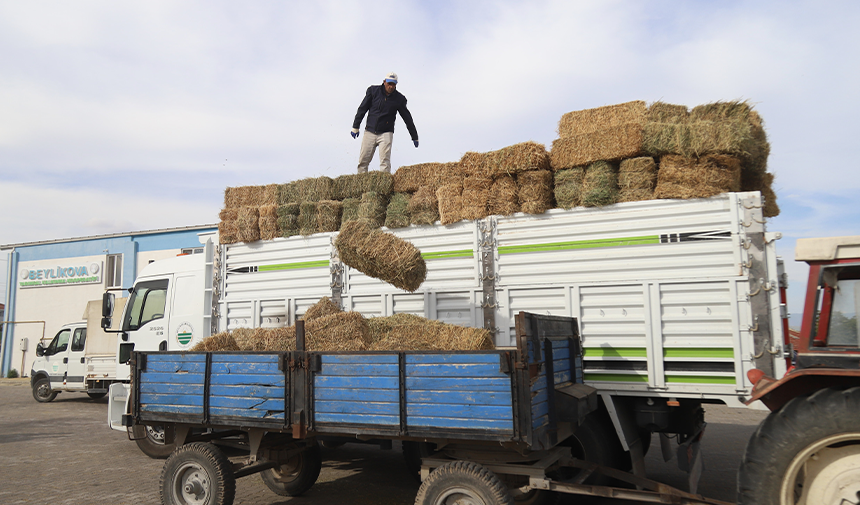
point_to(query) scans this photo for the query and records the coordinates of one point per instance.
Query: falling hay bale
(355, 185)
(535, 191)
(636, 179)
(372, 208)
(423, 206)
(763, 183)
(324, 307)
(219, 342)
(660, 112)
(611, 144)
(683, 177)
(407, 332)
(248, 224)
(584, 122)
(308, 218)
(600, 185)
(349, 211)
(269, 222)
(329, 215)
(450, 198)
(568, 187)
(397, 214)
(408, 179)
(288, 219)
(503, 199)
(476, 195)
(381, 255)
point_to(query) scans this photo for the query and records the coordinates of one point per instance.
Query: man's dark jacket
(383, 111)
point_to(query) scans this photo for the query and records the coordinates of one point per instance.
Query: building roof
(110, 235)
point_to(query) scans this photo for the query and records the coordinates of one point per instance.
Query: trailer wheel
(806, 453)
(42, 391)
(297, 475)
(595, 441)
(96, 396)
(197, 474)
(150, 440)
(463, 483)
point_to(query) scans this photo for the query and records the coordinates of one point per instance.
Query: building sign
(61, 275)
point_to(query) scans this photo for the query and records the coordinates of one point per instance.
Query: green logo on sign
(184, 334)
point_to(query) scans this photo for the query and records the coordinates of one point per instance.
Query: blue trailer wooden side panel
(173, 384)
(563, 373)
(246, 386)
(357, 389)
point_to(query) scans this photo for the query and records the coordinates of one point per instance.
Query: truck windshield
(145, 304)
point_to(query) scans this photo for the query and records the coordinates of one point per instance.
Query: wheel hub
(191, 485)
(459, 496)
(826, 472)
(156, 434)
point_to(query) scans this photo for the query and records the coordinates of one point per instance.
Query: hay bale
(269, 222)
(381, 255)
(600, 185)
(266, 339)
(683, 177)
(408, 179)
(610, 144)
(288, 219)
(763, 183)
(286, 194)
(355, 185)
(248, 224)
(228, 214)
(341, 331)
(509, 160)
(636, 179)
(661, 112)
(588, 121)
(397, 213)
(423, 206)
(218, 342)
(329, 215)
(324, 307)
(503, 199)
(699, 138)
(535, 191)
(407, 332)
(242, 196)
(269, 194)
(308, 222)
(450, 198)
(349, 211)
(372, 208)
(568, 187)
(228, 232)
(476, 196)
(311, 189)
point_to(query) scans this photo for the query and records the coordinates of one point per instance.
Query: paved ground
(63, 453)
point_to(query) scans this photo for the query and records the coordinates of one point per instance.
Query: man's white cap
(391, 77)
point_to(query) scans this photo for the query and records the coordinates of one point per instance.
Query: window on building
(113, 271)
(193, 250)
(79, 339)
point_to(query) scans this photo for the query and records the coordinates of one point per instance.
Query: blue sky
(121, 116)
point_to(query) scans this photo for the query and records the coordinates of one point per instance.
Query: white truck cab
(69, 364)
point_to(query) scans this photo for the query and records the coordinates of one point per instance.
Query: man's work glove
(415, 142)
(354, 133)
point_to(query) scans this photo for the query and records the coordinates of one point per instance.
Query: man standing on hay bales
(383, 102)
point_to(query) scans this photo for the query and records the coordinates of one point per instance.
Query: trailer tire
(96, 396)
(197, 473)
(296, 476)
(42, 391)
(595, 441)
(463, 482)
(150, 441)
(807, 452)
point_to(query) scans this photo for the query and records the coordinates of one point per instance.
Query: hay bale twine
(600, 184)
(349, 211)
(324, 307)
(372, 208)
(610, 144)
(568, 187)
(763, 183)
(405, 332)
(397, 213)
(381, 255)
(329, 215)
(684, 177)
(636, 179)
(583, 122)
(308, 218)
(248, 224)
(423, 206)
(450, 198)
(503, 199)
(535, 191)
(269, 222)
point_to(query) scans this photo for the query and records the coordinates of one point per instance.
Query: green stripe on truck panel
(464, 253)
(293, 266)
(700, 379)
(580, 244)
(698, 352)
(614, 377)
(614, 352)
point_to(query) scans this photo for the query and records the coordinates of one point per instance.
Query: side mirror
(107, 306)
(40, 351)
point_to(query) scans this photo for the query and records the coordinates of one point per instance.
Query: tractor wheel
(463, 482)
(806, 453)
(197, 474)
(296, 475)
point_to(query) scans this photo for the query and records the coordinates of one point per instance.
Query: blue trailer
(485, 426)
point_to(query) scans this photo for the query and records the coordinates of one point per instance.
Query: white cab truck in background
(80, 358)
(676, 302)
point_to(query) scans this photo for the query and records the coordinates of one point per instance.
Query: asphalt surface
(63, 452)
